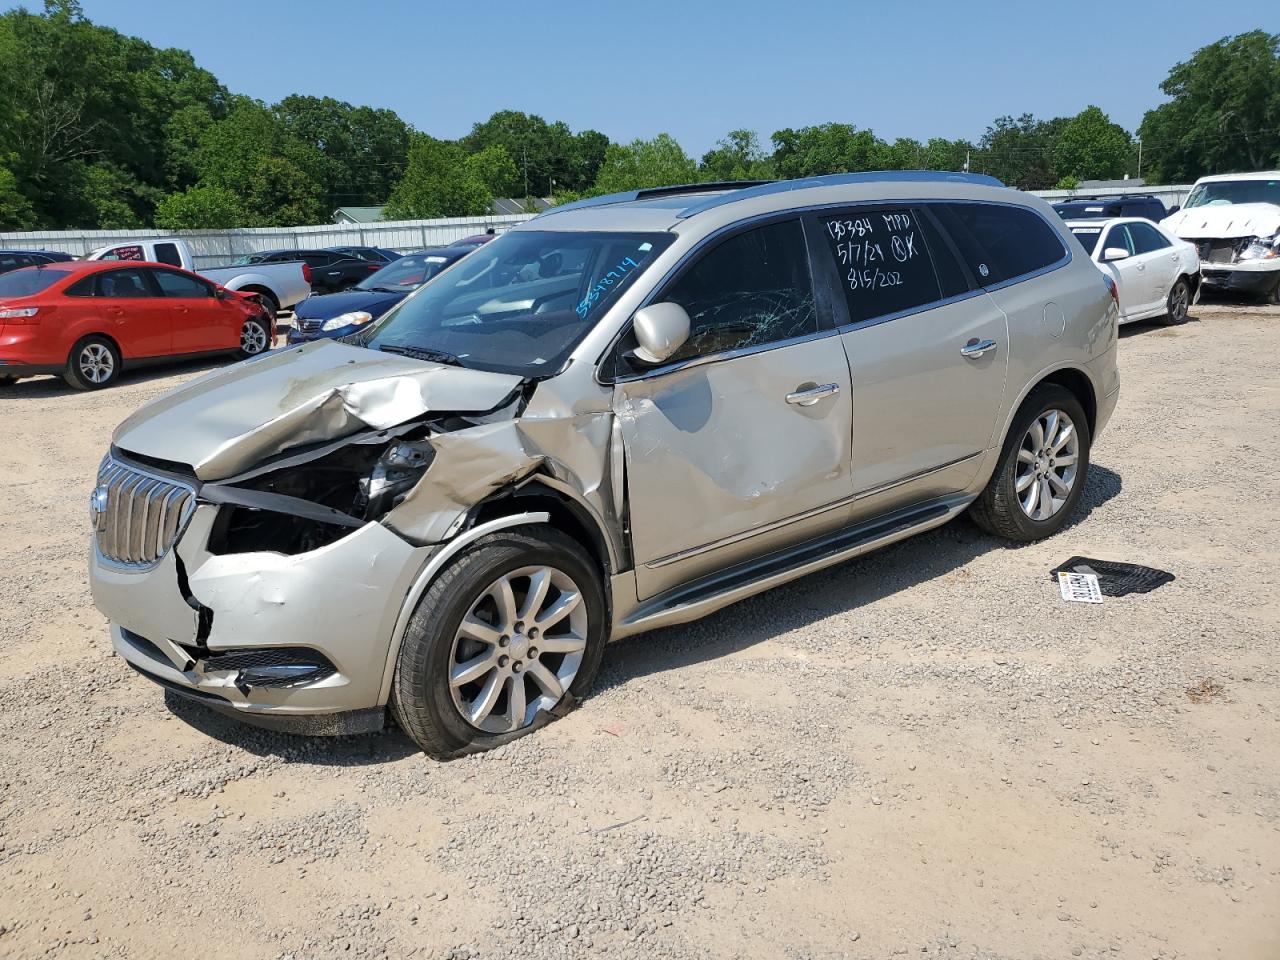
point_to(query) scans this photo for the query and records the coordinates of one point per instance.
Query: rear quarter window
(1001, 242)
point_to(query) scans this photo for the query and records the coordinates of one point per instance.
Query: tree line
(103, 130)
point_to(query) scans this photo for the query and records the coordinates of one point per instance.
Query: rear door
(200, 321)
(136, 315)
(927, 353)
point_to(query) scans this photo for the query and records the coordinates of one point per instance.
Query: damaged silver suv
(626, 413)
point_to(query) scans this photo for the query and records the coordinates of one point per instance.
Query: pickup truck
(276, 284)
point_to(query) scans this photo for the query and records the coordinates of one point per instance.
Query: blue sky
(697, 69)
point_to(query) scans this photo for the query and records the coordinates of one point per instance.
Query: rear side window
(180, 285)
(168, 253)
(883, 261)
(127, 284)
(752, 289)
(1000, 242)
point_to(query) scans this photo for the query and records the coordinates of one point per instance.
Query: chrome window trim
(839, 329)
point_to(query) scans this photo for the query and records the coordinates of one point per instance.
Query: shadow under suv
(626, 413)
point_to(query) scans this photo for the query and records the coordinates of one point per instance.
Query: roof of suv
(663, 208)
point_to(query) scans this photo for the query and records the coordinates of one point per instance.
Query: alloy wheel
(518, 648)
(1046, 468)
(96, 363)
(1179, 301)
(253, 338)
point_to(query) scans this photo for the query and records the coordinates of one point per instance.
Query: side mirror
(1114, 253)
(661, 329)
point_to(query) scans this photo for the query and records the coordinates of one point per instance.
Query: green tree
(737, 156)
(827, 148)
(943, 154)
(1019, 151)
(280, 193)
(549, 156)
(494, 167)
(658, 162)
(438, 182)
(1091, 147)
(201, 208)
(1224, 114)
(16, 212)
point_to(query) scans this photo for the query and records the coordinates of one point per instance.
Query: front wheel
(254, 338)
(93, 363)
(1042, 470)
(1177, 304)
(508, 637)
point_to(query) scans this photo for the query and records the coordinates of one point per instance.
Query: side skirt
(696, 599)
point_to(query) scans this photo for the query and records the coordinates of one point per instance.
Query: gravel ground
(921, 753)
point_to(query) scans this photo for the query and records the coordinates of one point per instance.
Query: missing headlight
(360, 482)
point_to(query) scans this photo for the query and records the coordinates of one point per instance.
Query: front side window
(180, 285)
(1118, 238)
(752, 289)
(519, 304)
(1000, 241)
(883, 259)
(1146, 238)
(126, 284)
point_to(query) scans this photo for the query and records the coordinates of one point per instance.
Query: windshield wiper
(421, 353)
(380, 289)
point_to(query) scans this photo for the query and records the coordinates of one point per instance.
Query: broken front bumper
(238, 631)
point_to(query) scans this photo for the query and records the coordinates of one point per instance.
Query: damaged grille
(1221, 251)
(138, 515)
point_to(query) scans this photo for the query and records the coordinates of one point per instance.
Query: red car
(89, 320)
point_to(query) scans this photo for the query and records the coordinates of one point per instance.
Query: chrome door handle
(811, 395)
(976, 348)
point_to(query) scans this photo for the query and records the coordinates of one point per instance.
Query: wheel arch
(93, 332)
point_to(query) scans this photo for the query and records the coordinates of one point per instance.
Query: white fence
(212, 247)
(1171, 196)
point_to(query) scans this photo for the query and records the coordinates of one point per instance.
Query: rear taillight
(306, 272)
(1113, 290)
(373, 267)
(19, 316)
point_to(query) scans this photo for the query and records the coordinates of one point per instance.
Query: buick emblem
(98, 502)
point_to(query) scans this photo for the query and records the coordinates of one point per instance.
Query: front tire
(1044, 463)
(93, 363)
(254, 338)
(1177, 304)
(506, 638)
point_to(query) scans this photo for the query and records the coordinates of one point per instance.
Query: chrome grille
(310, 326)
(142, 514)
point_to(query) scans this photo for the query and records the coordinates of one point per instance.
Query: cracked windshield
(519, 304)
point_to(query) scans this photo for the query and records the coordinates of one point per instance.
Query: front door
(740, 444)
(200, 320)
(1133, 280)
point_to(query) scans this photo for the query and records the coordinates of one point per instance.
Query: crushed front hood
(1225, 222)
(228, 421)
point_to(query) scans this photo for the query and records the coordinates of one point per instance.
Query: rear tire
(445, 666)
(1043, 466)
(7, 381)
(1177, 303)
(93, 363)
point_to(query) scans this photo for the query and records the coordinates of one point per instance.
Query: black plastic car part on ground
(1116, 579)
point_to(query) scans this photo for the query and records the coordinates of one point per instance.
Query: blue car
(332, 315)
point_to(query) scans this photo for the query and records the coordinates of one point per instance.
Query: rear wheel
(93, 363)
(508, 636)
(6, 381)
(1042, 470)
(254, 337)
(1177, 304)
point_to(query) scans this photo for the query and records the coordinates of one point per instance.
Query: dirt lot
(923, 753)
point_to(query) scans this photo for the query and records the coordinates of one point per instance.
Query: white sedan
(1156, 274)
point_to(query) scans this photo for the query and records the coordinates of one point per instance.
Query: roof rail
(626, 196)
(842, 179)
